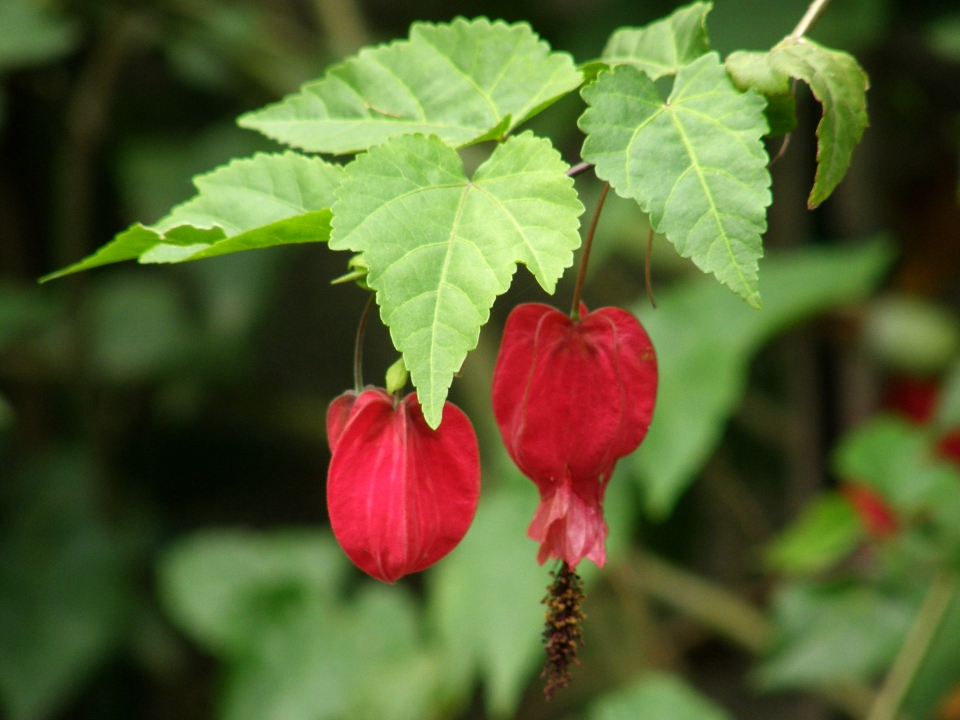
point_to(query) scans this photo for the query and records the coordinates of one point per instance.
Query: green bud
(357, 274)
(397, 375)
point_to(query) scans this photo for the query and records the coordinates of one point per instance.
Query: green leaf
(252, 203)
(485, 601)
(836, 633)
(32, 34)
(898, 459)
(484, 598)
(440, 247)
(940, 670)
(662, 47)
(827, 531)
(270, 607)
(695, 163)
(837, 81)
(213, 583)
(705, 338)
(656, 697)
(67, 586)
(464, 81)
(752, 71)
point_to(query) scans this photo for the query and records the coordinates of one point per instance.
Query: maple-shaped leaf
(837, 81)
(694, 162)
(440, 247)
(662, 47)
(464, 81)
(252, 203)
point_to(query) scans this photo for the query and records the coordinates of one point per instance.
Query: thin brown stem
(781, 151)
(646, 269)
(809, 18)
(585, 257)
(358, 346)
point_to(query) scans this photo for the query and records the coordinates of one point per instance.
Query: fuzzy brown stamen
(562, 633)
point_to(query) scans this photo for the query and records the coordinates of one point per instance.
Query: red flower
(572, 397)
(400, 495)
(875, 513)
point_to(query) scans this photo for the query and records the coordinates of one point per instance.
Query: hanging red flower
(572, 397)
(400, 495)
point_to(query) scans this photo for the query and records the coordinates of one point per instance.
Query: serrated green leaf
(826, 531)
(705, 338)
(827, 634)
(695, 163)
(464, 81)
(249, 204)
(656, 697)
(837, 81)
(440, 247)
(662, 47)
(840, 84)
(753, 71)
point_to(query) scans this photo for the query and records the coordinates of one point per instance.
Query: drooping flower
(571, 397)
(400, 495)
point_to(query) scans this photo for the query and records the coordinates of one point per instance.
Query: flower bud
(571, 397)
(400, 495)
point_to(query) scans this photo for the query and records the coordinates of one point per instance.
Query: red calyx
(400, 495)
(572, 397)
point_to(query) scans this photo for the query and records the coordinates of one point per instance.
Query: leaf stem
(585, 257)
(578, 169)
(646, 268)
(358, 346)
(914, 650)
(809, 18)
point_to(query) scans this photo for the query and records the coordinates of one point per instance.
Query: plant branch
(728, 615)
(914, 650)
(358, 345)
(578, 169)
(585, 257)
(809, 18)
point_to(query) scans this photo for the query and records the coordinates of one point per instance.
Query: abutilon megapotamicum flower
(571, 397)
(400, 495)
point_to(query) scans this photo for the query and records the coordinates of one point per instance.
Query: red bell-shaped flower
(571, 397)
(400, 495)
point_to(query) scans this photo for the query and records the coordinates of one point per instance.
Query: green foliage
(485, 601)
(656, 697)
(32, 34)
(898, 460)
(67, 586)
(832, 633)
(662, 47)
(465, 81)
(940, 669)
(827, 531)
(484, 598)
(253, 203)
(694, 162)
(705, 337)
(837, 81)
(272, 608)
(440, 247)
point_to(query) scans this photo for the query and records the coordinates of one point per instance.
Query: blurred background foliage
(784, 544)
